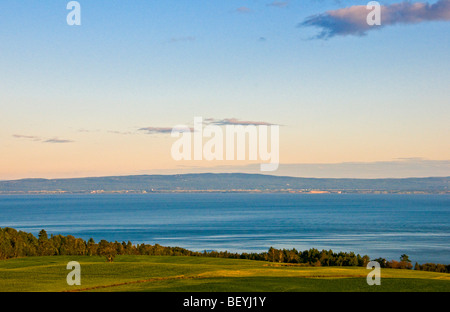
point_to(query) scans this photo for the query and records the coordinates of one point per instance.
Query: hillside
(221, 182)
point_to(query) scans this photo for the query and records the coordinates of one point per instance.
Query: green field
(170, 274)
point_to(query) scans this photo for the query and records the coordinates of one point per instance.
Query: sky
(76, 100)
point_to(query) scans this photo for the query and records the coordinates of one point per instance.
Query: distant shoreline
(224, 183)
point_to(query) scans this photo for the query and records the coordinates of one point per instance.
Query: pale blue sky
(134, 64)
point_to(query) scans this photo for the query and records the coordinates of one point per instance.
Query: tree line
(16, 244)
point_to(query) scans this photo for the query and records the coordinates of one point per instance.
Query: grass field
(170, 274)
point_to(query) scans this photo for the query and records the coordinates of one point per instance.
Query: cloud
(206, 121)
(87, 130)
(29, 137)
(353, 20)
(182, 39)
(279, 4)
(243, 10)
(235, 121)
(405, 168)
(55, 140)
(158, 130)
(120, 132)
(36, 138)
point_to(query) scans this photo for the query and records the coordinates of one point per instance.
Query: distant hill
(226, 182)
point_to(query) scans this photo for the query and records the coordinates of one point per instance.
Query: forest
(18, 244)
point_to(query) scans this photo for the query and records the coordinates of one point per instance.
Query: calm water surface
(377, 225)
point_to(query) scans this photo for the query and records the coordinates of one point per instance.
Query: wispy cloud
(88, 131)
(279, 4)
(39, 139)
(57, 141)
(206, 121)
(235, 121)
(29, 137)
(401, 168)
(182, 39)
(353, 20)
(243, 9)
(158, 130)
(120, 132)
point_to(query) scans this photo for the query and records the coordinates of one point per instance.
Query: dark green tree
(42, 236)
(404, 258)
(107, 250)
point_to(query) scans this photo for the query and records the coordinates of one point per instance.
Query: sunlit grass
(154, 273)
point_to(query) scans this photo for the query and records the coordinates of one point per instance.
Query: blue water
(377, 225)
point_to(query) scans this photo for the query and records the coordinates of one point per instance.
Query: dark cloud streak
(57, 141)
(235, 122)
(38, 139)
(163, 130)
